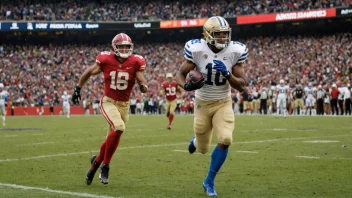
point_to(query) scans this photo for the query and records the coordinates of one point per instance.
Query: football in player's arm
(220, 60)
(121, 69)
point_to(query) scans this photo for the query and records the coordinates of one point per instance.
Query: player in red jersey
(121, 68)
(170, 88)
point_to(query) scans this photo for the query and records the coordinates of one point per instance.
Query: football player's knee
(120, 126)
(203, 148)
(225, 139)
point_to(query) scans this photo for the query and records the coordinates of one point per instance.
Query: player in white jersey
(282, 93)
(220, 61)
(3, 99)
(66, 104)
(310, 100)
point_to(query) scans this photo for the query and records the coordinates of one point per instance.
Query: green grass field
(269, 158)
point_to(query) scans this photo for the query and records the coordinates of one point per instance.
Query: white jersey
(309, 91)
(66, 100)
(3, 95)
(282, 91)
(342, 92)
(216, 86)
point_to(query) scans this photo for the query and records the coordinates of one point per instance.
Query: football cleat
(169, 126)
(209, 189)
(104, 174)
(191, 147)
(91, 173)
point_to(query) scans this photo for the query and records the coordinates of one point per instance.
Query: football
(194, 75)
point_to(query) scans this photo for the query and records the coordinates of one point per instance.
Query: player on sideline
(169, 88)
(3, 99)
(120, 68)
(282, 93)
(66, 104)
(220, 60)
(309, 91)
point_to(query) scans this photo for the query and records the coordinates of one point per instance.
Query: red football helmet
(122, 40)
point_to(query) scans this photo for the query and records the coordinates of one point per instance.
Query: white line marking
(308, 157)
(38, 143)
(298, 138)
(246, 151)
(321, 141)
(5, 136)
(85, 152)
(279, 129)
(161, 145)
(54, 191)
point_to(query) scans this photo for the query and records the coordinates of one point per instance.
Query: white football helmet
(282, 81)
(213, 25)
(1, 85)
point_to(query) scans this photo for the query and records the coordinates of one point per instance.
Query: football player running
(169, 88)
(220, 61)
(282, 93)
(120, 68)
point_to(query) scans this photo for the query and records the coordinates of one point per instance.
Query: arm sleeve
(244, 54)
(141, 62)
(187, 51)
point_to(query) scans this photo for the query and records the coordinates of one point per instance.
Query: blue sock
(218, 157)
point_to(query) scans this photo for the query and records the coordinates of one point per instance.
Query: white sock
(3, 118)
(285, 112)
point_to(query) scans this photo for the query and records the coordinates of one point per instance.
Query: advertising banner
(344, 11)
(183, 23)
(287, 16)
(47, 26)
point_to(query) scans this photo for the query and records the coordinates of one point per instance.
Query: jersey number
(171, 91)
(122, 80)
(209, 81)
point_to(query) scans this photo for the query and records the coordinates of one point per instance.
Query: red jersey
(119, 78)
(170, 90)
(335, 93)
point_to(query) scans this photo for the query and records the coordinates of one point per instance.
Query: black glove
(190, 86)
(76, 97)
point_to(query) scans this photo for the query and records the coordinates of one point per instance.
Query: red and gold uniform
(119, 79)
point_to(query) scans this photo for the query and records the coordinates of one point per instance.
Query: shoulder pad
(190, 47)
(102, 57)
(241, 49)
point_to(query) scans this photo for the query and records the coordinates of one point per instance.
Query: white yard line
(36, 143)
(308, 157)
(6, 136)
(85, 152)
(165, 145)
(75, 194)
(298, 138)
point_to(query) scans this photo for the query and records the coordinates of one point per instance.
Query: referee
(320, 102)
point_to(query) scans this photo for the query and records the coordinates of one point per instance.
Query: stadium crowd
(124, 10)
(38, 75)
